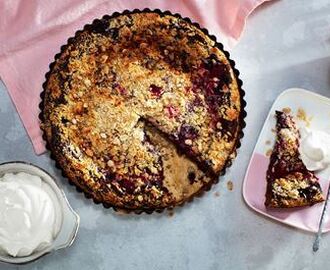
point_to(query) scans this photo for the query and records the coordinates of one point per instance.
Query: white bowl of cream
(35, 216)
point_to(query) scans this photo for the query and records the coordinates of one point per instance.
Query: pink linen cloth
(32, 31)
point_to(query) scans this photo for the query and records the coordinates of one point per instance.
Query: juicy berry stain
(128, 185)
(212, 78)
(191, 177)
(171, 111)
(156, 90)
(120, 88)
(187, 132)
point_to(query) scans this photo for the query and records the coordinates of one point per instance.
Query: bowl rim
(59, 192)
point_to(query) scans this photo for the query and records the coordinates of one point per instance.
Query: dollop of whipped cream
(315, 149)
(30, 214)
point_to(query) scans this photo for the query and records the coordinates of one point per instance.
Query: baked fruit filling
(289, 182)
(142, 110)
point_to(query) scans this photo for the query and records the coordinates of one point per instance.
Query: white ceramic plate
(317, 111)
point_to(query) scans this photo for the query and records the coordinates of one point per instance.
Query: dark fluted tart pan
(208, 172)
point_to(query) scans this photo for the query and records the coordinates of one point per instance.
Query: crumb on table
(230, 185)
(120, 212)
(217, 194)
(267, 142)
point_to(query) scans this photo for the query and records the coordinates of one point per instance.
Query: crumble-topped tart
(142, 110)
(289, 182)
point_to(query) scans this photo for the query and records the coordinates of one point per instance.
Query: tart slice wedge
(289, 182)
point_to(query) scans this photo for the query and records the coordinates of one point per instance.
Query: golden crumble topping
(142, 110)
(289, 186)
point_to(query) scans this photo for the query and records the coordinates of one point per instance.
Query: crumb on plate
(302, 116)
(269, 152)
(286, 110)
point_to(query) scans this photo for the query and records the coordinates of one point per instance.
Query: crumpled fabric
(32, 32)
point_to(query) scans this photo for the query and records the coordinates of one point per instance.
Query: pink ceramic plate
(315, 110)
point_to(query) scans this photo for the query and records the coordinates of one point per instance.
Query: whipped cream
(315, 149)
(30, 214)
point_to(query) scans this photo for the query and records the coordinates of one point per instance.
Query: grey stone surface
(285, 44)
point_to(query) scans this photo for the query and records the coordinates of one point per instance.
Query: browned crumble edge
(206, 186)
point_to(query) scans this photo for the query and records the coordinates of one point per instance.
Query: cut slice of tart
(289, 182)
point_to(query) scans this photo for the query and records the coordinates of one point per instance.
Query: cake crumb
(286, 110)
(273, 130)
(103, 135)
(188, 142)
(217, 194)
(110, 163)
(269, 152)
(89, 152)
(301, 115)
(230, 185)
(267, 142)
(170, 213)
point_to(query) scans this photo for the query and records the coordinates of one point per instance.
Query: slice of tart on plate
(289, 182)
(292, 101)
